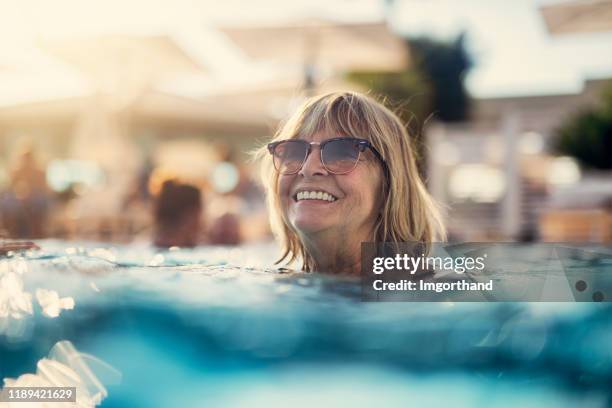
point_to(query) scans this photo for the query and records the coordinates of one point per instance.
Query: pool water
(222, 327)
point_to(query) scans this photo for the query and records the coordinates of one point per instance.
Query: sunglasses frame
(362, 144)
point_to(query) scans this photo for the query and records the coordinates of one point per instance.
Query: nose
(313, 165)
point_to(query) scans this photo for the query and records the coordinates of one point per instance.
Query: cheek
(370, 190)
(284, 188)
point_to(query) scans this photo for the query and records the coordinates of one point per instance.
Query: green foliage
(588, 136)
(431, 86)
(405, 92)
(445, 65)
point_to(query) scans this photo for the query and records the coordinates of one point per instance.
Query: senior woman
(342, 171)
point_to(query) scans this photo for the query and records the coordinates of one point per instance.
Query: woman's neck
(335, 253)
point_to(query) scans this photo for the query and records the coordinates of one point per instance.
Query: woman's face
(356, 204)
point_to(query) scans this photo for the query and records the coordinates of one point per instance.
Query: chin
(309, 226)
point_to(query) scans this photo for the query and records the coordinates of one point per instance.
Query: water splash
(16, 303)
(51, 303)
(66, 367)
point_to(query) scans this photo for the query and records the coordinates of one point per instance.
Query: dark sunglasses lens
(289, 155)
(340, 156)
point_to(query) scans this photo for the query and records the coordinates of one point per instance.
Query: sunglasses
(339, 155)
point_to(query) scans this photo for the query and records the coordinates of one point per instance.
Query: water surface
(223, 327)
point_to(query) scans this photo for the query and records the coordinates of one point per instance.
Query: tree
(405, 92)
(444, 65)
(432, 86)
(588, 136)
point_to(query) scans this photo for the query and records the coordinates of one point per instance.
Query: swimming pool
(221, 327)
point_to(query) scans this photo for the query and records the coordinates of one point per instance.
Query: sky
(513, 53)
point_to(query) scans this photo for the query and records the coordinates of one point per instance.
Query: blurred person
(138, 200)
(249, 190)
(253, 211)
(177, 215)
(25, 204)
(342, 171)
(225, 219)
(232, 198)
(139, 194)
(225, 230)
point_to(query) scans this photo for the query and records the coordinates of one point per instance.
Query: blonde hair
(408, 212)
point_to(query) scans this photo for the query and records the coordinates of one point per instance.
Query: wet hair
(407, 214)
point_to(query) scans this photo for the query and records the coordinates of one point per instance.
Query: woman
(342, 171)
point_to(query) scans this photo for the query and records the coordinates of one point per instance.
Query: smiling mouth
(314, 195)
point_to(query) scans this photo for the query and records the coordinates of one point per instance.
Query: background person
(177, 214)
(25, 204)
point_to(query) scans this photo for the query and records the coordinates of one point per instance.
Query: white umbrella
(340, 46)
(320, 45)
(126, 66)
(578, 16)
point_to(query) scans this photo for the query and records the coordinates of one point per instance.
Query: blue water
(221, 327)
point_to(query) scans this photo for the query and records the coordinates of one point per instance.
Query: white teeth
(315, 195)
